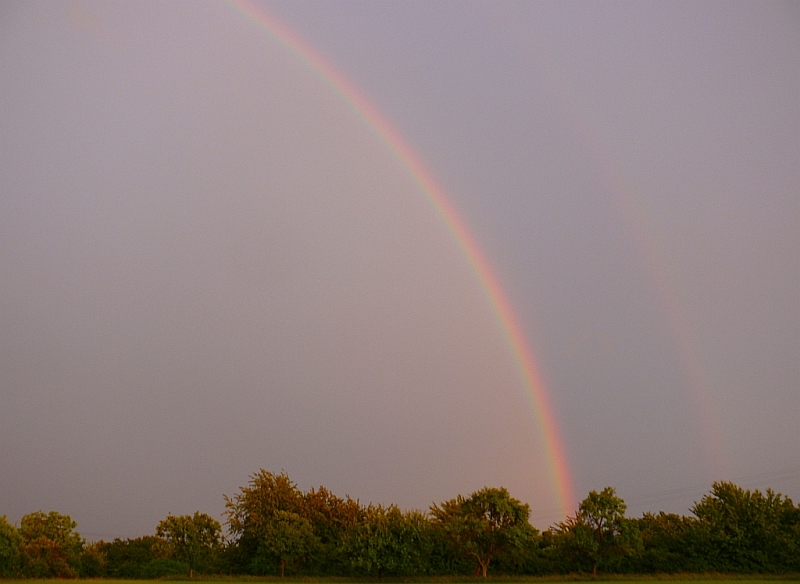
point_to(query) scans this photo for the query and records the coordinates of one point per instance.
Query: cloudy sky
(211, 262)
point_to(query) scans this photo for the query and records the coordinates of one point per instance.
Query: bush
(161, 567)
(10, 549)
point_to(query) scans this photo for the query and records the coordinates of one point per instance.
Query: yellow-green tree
(331, 517)
(386, 540)
(192, 539)
(288, 537)
(51, 546)
(267, 520)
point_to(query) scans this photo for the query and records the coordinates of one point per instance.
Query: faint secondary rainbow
(548, 428)
(626, 194)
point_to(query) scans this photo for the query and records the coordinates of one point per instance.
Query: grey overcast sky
(210, 264)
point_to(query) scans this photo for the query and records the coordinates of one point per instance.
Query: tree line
(274, 528)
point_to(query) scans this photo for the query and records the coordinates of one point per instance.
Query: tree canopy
(51, 546)
(749, 530)
(484, 524)
(275, 528)
(10, 549)
(192, 539)
(599, 530)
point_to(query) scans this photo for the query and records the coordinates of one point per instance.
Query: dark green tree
(129, 558)
(664, 543)
(742, 530)
(599, 531)
(484, 524)
(10, 549)
(93, 561)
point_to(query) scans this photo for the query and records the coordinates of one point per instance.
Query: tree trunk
(191, 573)
(594, 571)
(483, 567)
(283, 566)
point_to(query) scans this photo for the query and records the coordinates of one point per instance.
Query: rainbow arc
(529, 372)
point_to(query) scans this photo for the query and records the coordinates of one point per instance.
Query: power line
(696, 490)
(702, 488)
(103, 535)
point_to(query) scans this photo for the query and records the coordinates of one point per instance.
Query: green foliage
(331, 517)
(128, 558)
(51, 546)
(388, 542)
(663, 537)
(161, 567)
(487, 522)
(10, 549)
(93, 561)
(276, 527)
(599, 531)
(523, 558)
(288, 538)
(267, 519)
(747, 531)
(251, 510)
(191, 539)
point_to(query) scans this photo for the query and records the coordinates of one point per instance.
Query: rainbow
(610, 170)
(529, 373)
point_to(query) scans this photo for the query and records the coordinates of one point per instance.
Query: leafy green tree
(599, 530)
(388, 541)
(331, 518)
(747, 531)
(484, 524)
(523, 558)
(288, 537)
(663, 537)
(93, 561)
(51, 546)
(10, 549)
(251, 509)
(192, 539)
(128, 558)
(269, 506)
(162, 567)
